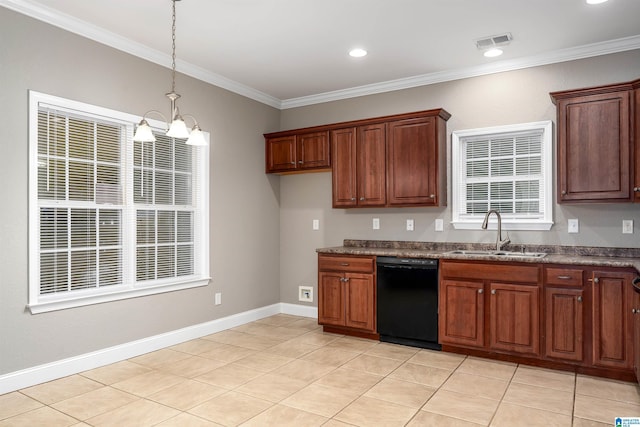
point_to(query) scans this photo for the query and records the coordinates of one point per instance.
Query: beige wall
(499, 99)
(244, 201)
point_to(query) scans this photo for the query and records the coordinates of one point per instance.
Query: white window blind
(505, 168)
(110, 218)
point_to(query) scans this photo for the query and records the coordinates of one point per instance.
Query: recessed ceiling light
(492, 53)
(357, 53)
(596, 1)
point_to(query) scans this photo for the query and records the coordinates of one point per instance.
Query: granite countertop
(576, 255)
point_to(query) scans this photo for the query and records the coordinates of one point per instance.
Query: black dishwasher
(408, 301)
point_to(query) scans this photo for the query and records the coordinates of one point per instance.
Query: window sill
(48, 304)
(506, 225)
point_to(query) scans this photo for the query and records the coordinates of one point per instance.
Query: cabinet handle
(344, 264)
(579, 298)
(480, 291)
(565, 277)
(596, 280)
(493, 291)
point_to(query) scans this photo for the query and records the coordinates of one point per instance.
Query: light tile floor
(284, 371)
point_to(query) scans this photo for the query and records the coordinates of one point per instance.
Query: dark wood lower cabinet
(564, 324)
(576, 318)
(514, 318)
(612, 328)
(347, 294)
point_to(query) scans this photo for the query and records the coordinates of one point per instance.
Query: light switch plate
(627, 226)
(316, 224)
(409, 225)
(376, 223)
(439, 224)
(573, 226)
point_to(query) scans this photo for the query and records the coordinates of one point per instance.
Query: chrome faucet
(499, 241)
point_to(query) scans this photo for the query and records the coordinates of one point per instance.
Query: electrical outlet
(305, 293)
(573, 226)
(627, 226)
(376, 223)
(439, 224)
(409, 225)
(218, 298)
(316, 224)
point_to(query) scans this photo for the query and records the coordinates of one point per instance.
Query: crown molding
(563, 55)
(82, 28)
(100, 35)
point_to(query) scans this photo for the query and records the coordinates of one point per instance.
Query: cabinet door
(515, 318)
(360, 301)
(343, 167)
(412, 162)
(370, 165)
(612, 320)
(563, 323)
(636, 334)
(313, 150)
(594, 148)
(461, 313)
(636, 188)
(331, 304)
(281, 154)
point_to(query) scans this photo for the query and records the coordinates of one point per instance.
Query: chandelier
(177, 128)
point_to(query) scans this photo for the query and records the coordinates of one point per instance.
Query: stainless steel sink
(502, 254)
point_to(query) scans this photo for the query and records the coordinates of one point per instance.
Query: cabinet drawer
(490, 271)
(346, 263)
(563, 276)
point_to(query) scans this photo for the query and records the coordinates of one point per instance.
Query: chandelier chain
(173, 48)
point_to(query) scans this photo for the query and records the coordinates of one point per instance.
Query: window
(109, 218)
(507, 168)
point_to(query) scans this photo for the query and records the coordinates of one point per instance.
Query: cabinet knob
(493, 291)
(361, 199)
(432, 196)
(300, 161)
(596, 280)
(353, 199)
(579, 298)
(636, 189)
(634, 311)
(480, 291)
(293, 163)
(564, 193)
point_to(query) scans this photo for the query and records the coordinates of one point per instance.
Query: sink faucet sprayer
(499, 242)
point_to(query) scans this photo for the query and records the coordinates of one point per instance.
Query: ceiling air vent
(494, 41)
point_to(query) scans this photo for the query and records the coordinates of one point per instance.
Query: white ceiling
(287, 53)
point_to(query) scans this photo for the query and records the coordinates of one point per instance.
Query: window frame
(40, 303)
(458, 169)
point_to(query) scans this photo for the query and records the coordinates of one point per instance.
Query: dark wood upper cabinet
(595, 144)
(297, 152)
(414, 173)
(397, 160)
(358, 166)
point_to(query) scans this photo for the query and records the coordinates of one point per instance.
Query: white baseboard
(73, 365)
